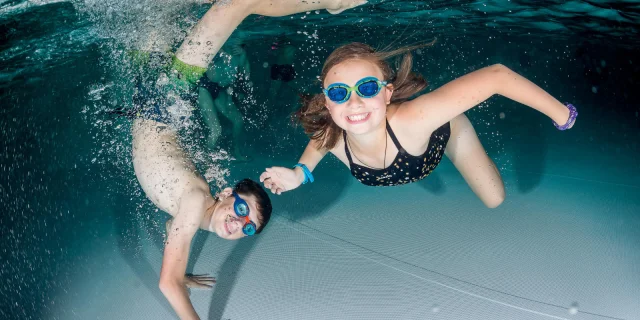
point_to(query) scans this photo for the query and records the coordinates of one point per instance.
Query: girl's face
(358, 115)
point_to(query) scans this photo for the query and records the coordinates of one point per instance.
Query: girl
(364, 118)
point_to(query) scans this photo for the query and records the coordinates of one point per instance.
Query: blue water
(79, 238)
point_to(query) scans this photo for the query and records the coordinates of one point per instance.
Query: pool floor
(565, 248)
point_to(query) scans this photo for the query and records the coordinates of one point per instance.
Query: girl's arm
(436, 108)
(310, 157)
(281, 179)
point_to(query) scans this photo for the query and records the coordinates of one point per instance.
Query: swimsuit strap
(394, 139)
(346, 148)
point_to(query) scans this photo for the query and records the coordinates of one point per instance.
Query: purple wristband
(573, 114)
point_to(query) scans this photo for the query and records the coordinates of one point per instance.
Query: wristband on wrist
(308, 177)
(573, 114)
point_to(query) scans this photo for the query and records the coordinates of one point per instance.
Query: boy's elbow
(167, 285)
(164, 286)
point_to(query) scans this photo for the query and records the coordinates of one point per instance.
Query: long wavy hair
(315, 117)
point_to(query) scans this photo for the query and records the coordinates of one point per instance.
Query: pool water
(81, 241)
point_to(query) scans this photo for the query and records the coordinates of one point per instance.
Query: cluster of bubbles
(126, 28)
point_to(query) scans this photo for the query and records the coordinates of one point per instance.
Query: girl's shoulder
(408, 119)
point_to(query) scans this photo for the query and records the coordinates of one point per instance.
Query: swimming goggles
(242, 210)
(367, 87)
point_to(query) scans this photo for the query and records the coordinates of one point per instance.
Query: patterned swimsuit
(405, 168)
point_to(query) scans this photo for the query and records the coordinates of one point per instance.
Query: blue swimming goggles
(367, 87)
(242, 210)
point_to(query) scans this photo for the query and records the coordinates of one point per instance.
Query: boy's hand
(200, 281)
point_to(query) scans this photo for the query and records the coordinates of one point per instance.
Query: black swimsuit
(405, 168)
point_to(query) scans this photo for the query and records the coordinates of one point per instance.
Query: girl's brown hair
(314, 116)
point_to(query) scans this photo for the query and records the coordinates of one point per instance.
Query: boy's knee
(338, 6)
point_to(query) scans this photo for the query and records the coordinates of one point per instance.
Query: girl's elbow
(499, 68)
(498, 76)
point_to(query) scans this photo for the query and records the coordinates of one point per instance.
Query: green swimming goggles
(367, 87)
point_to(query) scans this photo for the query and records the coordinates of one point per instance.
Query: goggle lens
(337, 94)
(369, 88)
(242, 210)
(249, 229)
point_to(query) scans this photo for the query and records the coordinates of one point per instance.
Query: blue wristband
(308, 177)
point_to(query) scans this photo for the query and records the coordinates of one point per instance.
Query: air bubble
(594, 89)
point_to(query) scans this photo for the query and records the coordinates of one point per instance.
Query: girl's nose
(355, 101)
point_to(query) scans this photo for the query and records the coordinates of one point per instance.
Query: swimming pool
(80, 240)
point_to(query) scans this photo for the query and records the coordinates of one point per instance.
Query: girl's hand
(280, 179)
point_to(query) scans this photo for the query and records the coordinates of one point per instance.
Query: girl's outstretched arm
(281, 179)
(436, 108)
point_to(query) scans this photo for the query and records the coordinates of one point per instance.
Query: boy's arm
(176, 252)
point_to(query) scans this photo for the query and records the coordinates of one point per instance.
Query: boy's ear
(225, 193)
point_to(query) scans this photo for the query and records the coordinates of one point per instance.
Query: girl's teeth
(357, 117)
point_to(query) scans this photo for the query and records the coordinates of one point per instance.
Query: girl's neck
(371, 141)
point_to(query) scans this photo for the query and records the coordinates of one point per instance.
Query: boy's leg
(227, 107)
(207, 105)
(215, 27)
